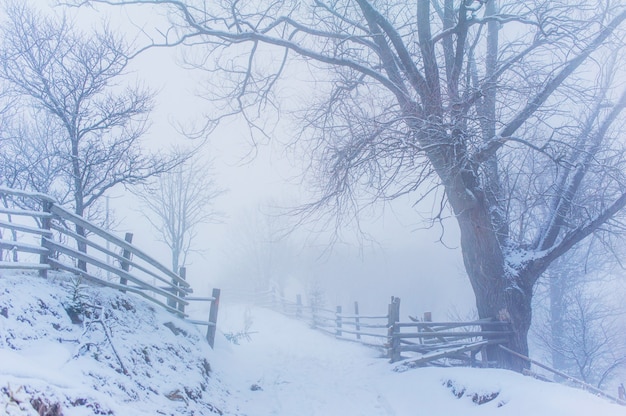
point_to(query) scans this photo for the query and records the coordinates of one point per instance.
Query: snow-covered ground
(129, 358)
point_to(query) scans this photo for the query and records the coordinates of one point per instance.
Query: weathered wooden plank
(24, 228)
(113, 285)
(435, 355)
(102, 265)
(451, 324)
(364, 317)
(369, 334)
(365, 325)
(8, 265)
(198, 322)
(117, 241)
(200, 298)
(117, 256)
(461, 334)
(429, 329)
(24, 212)
(34, 195)
(23, 247)
(210, 331)
(425, 348)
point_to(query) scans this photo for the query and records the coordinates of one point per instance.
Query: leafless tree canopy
(78, 131)
(579, 314)
(514, 109)
(178, 202)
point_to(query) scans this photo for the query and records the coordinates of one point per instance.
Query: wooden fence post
(313, 312)
(357, 322)
(45, 225)
(299, 306)
(274, 302)
(210, 332)
(126, 254)
(283, 302)
(338, 321)
(395, 343)
(181, 293)
(393, 330)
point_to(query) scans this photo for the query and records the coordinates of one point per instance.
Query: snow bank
(87, 350)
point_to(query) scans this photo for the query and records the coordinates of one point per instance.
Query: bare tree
(71, 79)
(472, 97)
(179, 201)
(30, 157)
(262, 251)
(580, 317)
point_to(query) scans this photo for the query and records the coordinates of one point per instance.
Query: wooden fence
(458, 341)
(45, 236)
(415, 343)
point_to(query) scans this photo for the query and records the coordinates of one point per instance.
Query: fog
(393, 254)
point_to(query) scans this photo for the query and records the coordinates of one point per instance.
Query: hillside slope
(74, 351)
(120, 356)
(306, 373)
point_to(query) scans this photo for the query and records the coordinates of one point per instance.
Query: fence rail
(413, 343)
(45, 236)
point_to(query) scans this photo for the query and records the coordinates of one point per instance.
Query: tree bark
(499, 295)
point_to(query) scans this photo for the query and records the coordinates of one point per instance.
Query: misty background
(390, 253)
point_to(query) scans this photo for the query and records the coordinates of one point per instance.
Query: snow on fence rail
(413, 343)
(48, 237)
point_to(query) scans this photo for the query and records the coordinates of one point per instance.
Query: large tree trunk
(80, 231)
(499, 294)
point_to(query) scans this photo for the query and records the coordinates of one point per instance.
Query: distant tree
(580, 315)
(30, 156)
(178, 202)
(474, 98)
(261, 251)
(71, 79)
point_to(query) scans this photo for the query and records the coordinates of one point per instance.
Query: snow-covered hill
(126, 357)
(121, 356)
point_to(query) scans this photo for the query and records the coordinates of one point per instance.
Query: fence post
(393, 330)
(394, 311)
(338, 321)
(299, 306)
(126, 254)
(283, 302)
(45, 225)
(181, 293)
(313, 312)
(274, 302)
(357, 322)
(210, 332)
(395, 343)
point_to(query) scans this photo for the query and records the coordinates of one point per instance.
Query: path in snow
(307, 373)
(300, 372)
